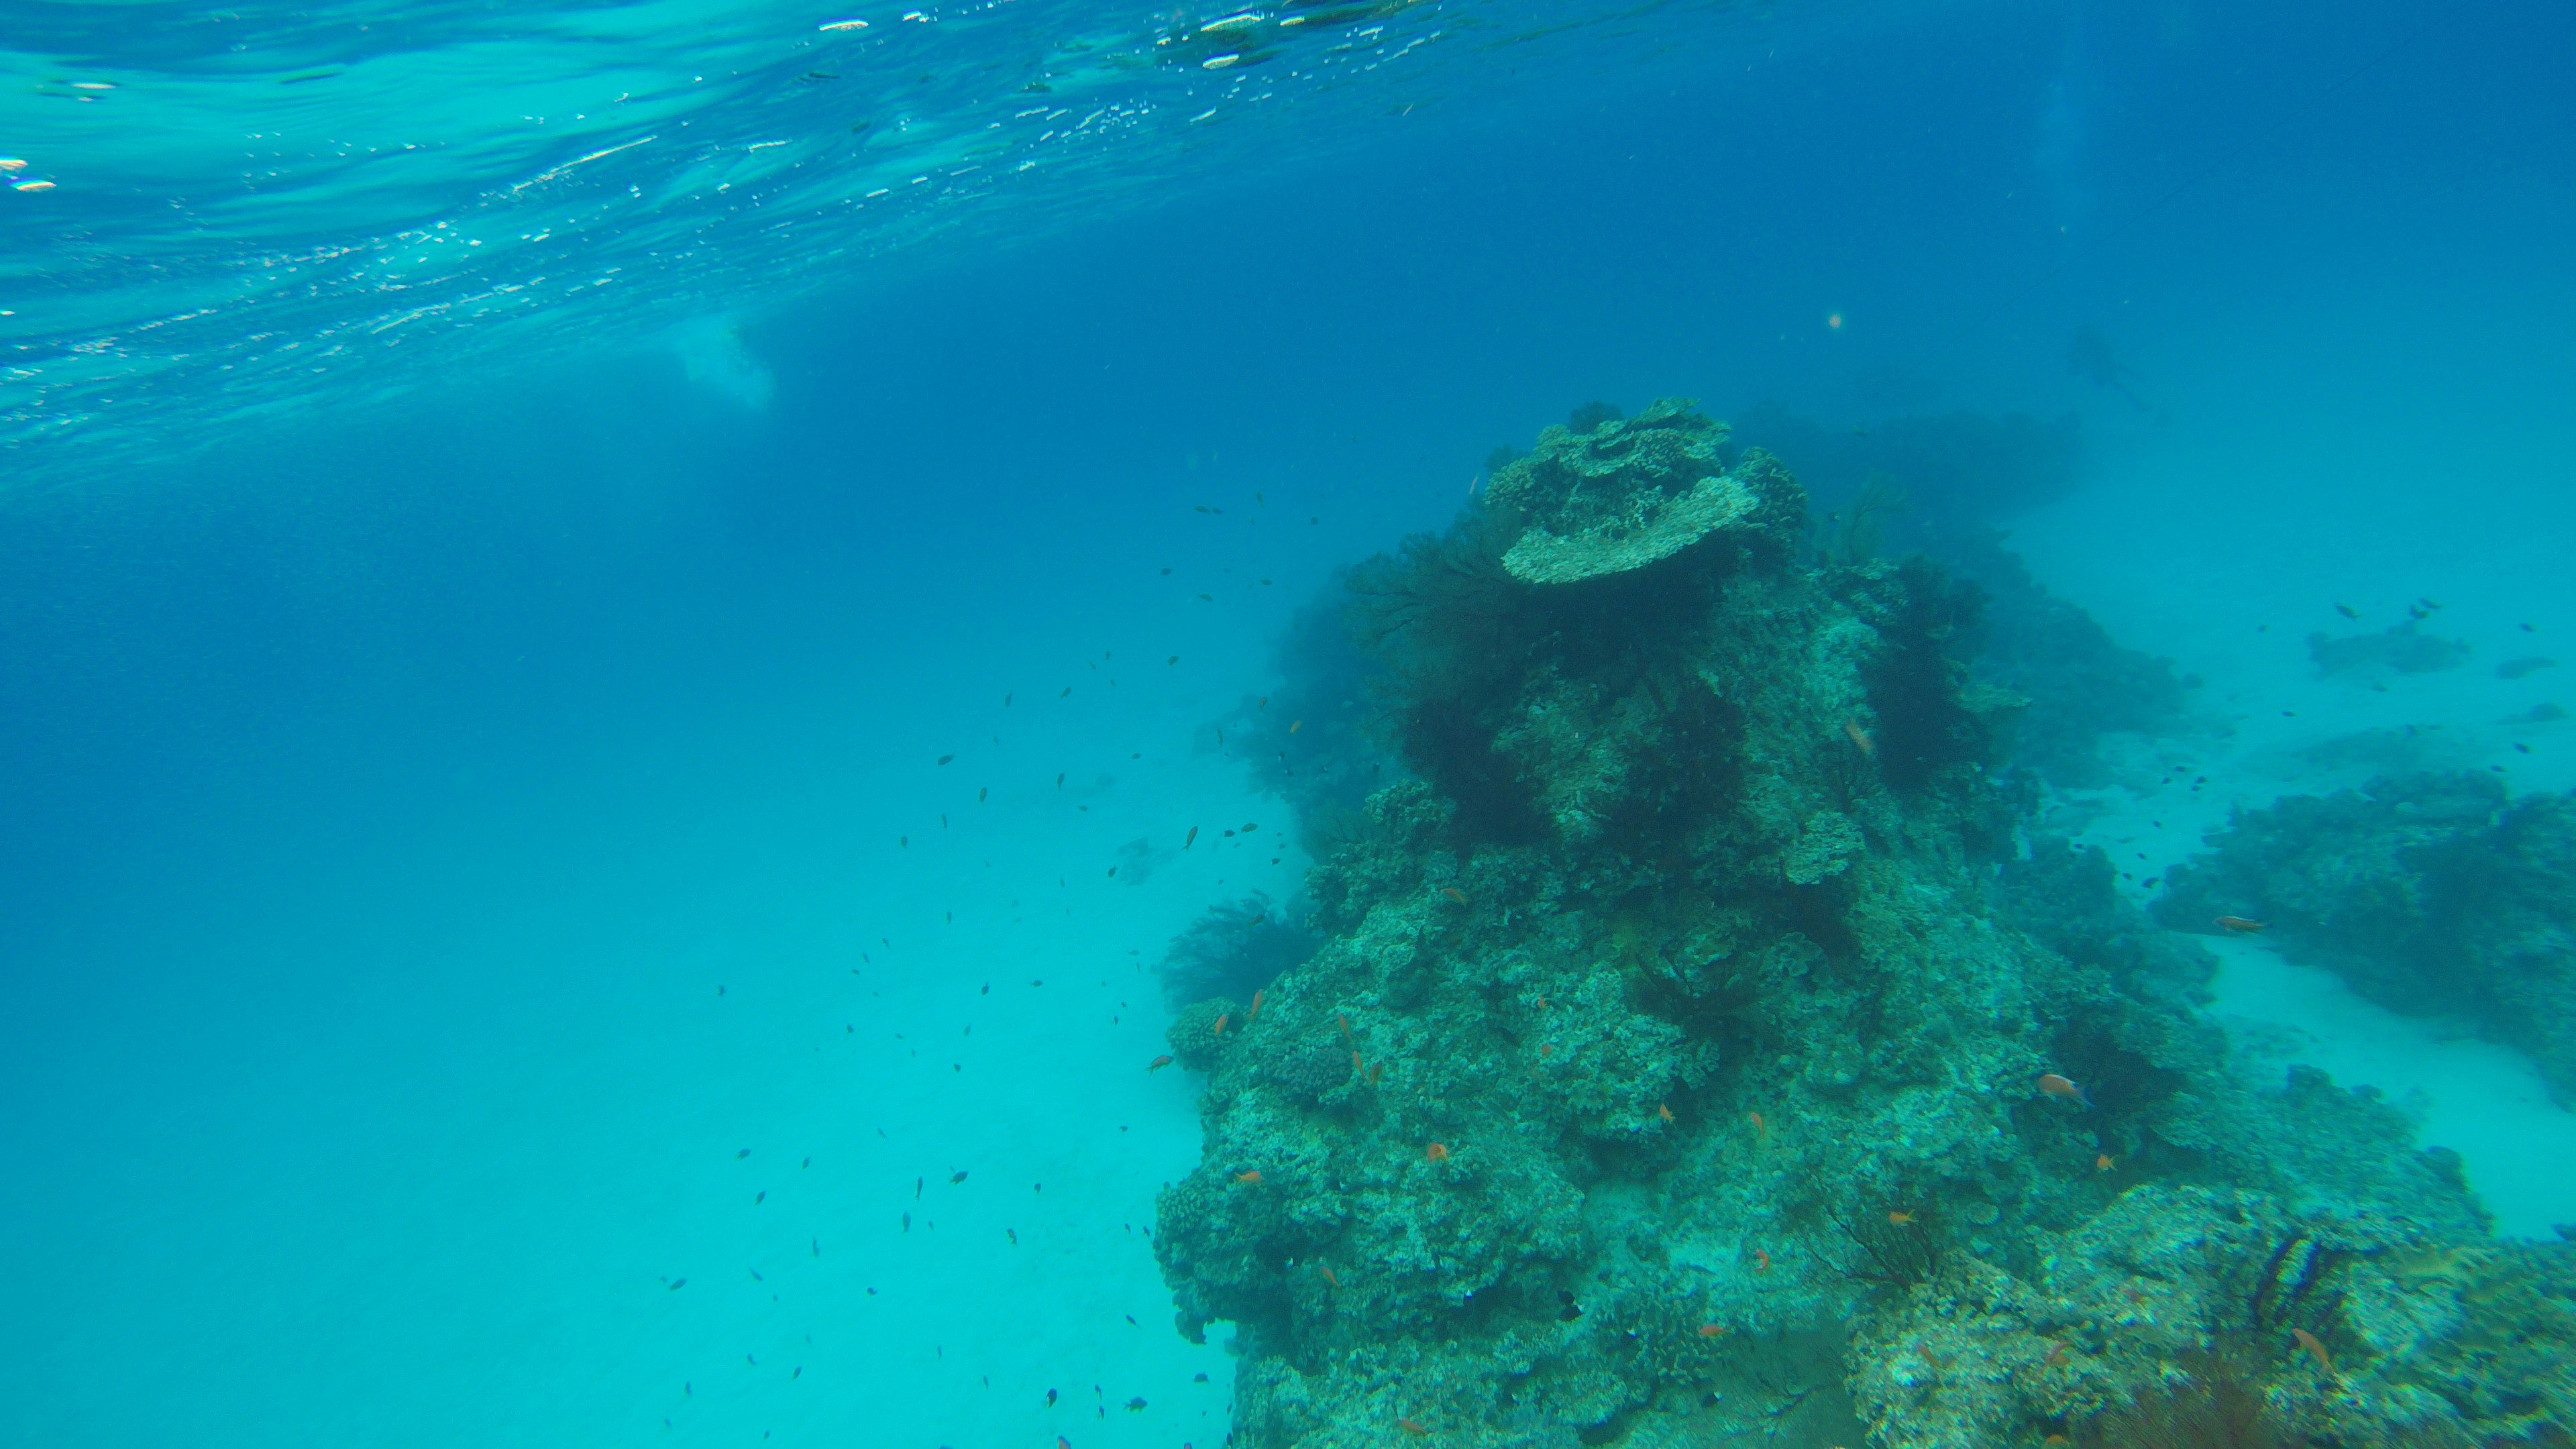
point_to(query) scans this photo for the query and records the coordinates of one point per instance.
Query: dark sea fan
(1232, 951)
(2210, 1400)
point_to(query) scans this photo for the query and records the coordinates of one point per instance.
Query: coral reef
(2431, 893)
(2081, 684)
(1689, 1057)
(1937, 485)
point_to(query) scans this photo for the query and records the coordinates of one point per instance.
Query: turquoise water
(614, 618)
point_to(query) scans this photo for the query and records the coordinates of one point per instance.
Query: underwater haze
(1460, 722)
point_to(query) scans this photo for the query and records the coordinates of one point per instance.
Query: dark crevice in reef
(1688, 1057)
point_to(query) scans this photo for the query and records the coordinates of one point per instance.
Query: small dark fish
(1068, 689)
(1175, 659)
(760, 1197)
(981, 792)
(1250, 828)
(944, 759)
(956, 1178)
(2348, 611)
(755, 1276)
(907, 1227)
(1006, 701)
(678, 1283)
(916, 1189)
(1135, 1406)
(1050, 1398)
(740, 1153)
(1012, 1234)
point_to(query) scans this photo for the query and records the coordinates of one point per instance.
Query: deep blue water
(408, 731)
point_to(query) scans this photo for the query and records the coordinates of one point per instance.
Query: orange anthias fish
(1221, 1020)
(1664, 1112)
(1249, 1179)
(1327, 1270)
(1254, 1014)
(2240, 926)
(2102, 1162)
(1761, 1261)
(1711, 1330)
(1761, 1129)
(1295, 725)
(1356, 1065)
(1455, 894)
(2057, 1356)
(1436, 1152)
(1410, 1427)
(2317, 1350)
(2057, 1086)
(1860, 737)
(1158, 1063)
(1374, 1069)
(1345, 1023)
(1900, 1219)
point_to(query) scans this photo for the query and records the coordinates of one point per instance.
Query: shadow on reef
(2432, 894)
(1687, 1058)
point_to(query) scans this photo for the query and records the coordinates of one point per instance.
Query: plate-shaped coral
(1656, 531)
(1618, 496)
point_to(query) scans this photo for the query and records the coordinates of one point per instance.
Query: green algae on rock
(1669, 1069)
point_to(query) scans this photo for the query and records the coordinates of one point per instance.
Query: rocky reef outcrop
(1694, 1053)
(2432, 894)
